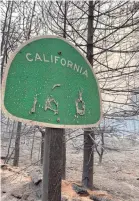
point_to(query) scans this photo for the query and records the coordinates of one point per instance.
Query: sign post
(52, 164)
(49, 83)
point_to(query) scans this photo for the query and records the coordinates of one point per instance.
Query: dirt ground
(118, 174)
(117, 178)
(17, 185)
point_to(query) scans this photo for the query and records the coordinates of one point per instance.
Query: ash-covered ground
(118, 174)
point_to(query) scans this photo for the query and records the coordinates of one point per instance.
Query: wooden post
(17, 144)
(52, 164)
(64, 156)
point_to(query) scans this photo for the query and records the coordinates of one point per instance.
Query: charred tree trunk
(101, 149)
(64, 137)
(17, 144)
(88, 161)
(42, 147)
(32, 144)
(4, 43)
(11, 137)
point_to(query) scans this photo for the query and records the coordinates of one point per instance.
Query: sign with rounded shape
(48, 82)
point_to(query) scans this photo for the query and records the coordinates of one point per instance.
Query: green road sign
(48, 82)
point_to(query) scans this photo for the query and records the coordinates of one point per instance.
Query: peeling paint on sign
(50, 104)
(80, 105)
(56, 85)
(34, 105)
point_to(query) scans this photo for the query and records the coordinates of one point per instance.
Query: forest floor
(117, 178)
(18, 185)
(118, 174)
(117, 182)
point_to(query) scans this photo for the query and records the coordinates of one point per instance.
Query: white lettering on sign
(56, 59)
(28, 57)
(37, 57)
(63, 62)
(69, 64)
(81, 70)
(44, 58)
(51, 58)
(76, 67)
(85, 73)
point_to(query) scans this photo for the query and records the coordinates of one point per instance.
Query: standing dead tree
(42, 131)
(114, 26)
(88, 160)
